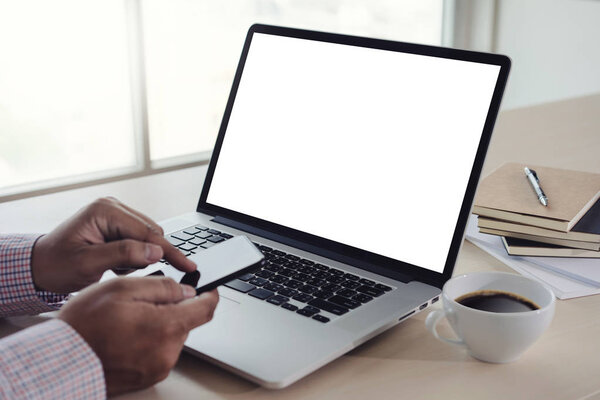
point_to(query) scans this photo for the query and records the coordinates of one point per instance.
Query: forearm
(49, 361)
(18, 295)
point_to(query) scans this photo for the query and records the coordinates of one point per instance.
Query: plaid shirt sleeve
(49, 360)
(18, 295)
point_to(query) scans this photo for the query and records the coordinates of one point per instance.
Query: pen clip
(534, 174)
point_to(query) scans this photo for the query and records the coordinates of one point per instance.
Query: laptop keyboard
(289, 281)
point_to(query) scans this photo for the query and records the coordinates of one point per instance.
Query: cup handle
(431, 323)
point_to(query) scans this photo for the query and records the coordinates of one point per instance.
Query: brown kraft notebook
(506, 195)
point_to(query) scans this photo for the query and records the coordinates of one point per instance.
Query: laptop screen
(366, 147)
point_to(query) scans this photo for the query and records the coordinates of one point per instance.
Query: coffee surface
(496, 301)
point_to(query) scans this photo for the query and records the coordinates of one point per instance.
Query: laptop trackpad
(225, 305)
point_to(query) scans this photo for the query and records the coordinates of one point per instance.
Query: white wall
(554, 46)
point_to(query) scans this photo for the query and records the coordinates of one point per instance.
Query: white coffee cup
(497, 337)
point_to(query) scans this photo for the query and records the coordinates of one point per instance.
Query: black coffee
(496, 301)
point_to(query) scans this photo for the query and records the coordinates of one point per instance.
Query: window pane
(65, 98)
(192, 50)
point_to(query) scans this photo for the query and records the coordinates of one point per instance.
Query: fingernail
(153, 252)
(188, 291)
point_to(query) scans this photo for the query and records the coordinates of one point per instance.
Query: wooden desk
(406, 361)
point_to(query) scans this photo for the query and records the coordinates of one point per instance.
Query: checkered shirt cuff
(49, 361)
(18, 295)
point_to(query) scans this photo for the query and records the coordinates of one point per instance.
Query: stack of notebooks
(569, 226)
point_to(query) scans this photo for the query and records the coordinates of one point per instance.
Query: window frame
(144, 165)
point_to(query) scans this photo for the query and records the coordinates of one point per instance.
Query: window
(98, 88)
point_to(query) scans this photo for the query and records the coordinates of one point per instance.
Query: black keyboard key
(347, 293)
(308, 289)
(264, 274)
(197, 241)
(279, 253)
(278, 279)
(323, 294)
(321, 318)
(329, 307)
(350, 284)
(321, 267)
(321, 275)
(344, 302)
(265, 249)
(363, 298)
(292, 284)
(226, 235)
(278, 261)
(240, 286)
(289, 306)
(215, 239)
(336, 279)
(331, 287)
(214, 232)
(316, 282)
(187, 247)
(294, 265)
(201, 227)
(351, 277)
(312, 309)
(277, 300)
(306, 313)
(274, 287)
(301, 277)
(273, 267)
(337, 272)
(156, 273)
(260, 293)
(182, 236)
(303, 298)
(287, 292)
(287, 272)
(305, 269)
(371, 291)
(367, 282)
(246, 277)
(306, 262)
(258, 281)
(382, 287)
(292, 257)
(203, 235)
(174, 241)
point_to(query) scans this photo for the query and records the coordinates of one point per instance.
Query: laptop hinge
(314, 249)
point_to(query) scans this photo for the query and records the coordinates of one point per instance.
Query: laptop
(352, 164)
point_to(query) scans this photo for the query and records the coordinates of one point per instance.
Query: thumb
(126, 253)
(159, 290)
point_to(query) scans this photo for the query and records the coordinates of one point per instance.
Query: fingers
(145, 218)
(120, 223)
(153, 289)
(125, 254)
(196, 311)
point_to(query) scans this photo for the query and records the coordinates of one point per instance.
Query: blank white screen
(366, 147)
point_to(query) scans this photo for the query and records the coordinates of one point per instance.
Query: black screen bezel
(370, 261)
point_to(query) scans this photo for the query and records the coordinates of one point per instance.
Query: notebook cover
(570, 193)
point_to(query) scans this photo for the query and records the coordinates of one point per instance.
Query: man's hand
(104, 235)
(137, 326)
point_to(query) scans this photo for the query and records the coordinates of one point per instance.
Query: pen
(533, 179)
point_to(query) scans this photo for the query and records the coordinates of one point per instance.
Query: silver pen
(535, 184)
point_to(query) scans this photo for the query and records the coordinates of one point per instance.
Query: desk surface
(405, 361)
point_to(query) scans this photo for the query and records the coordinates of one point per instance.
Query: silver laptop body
(351, 154)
